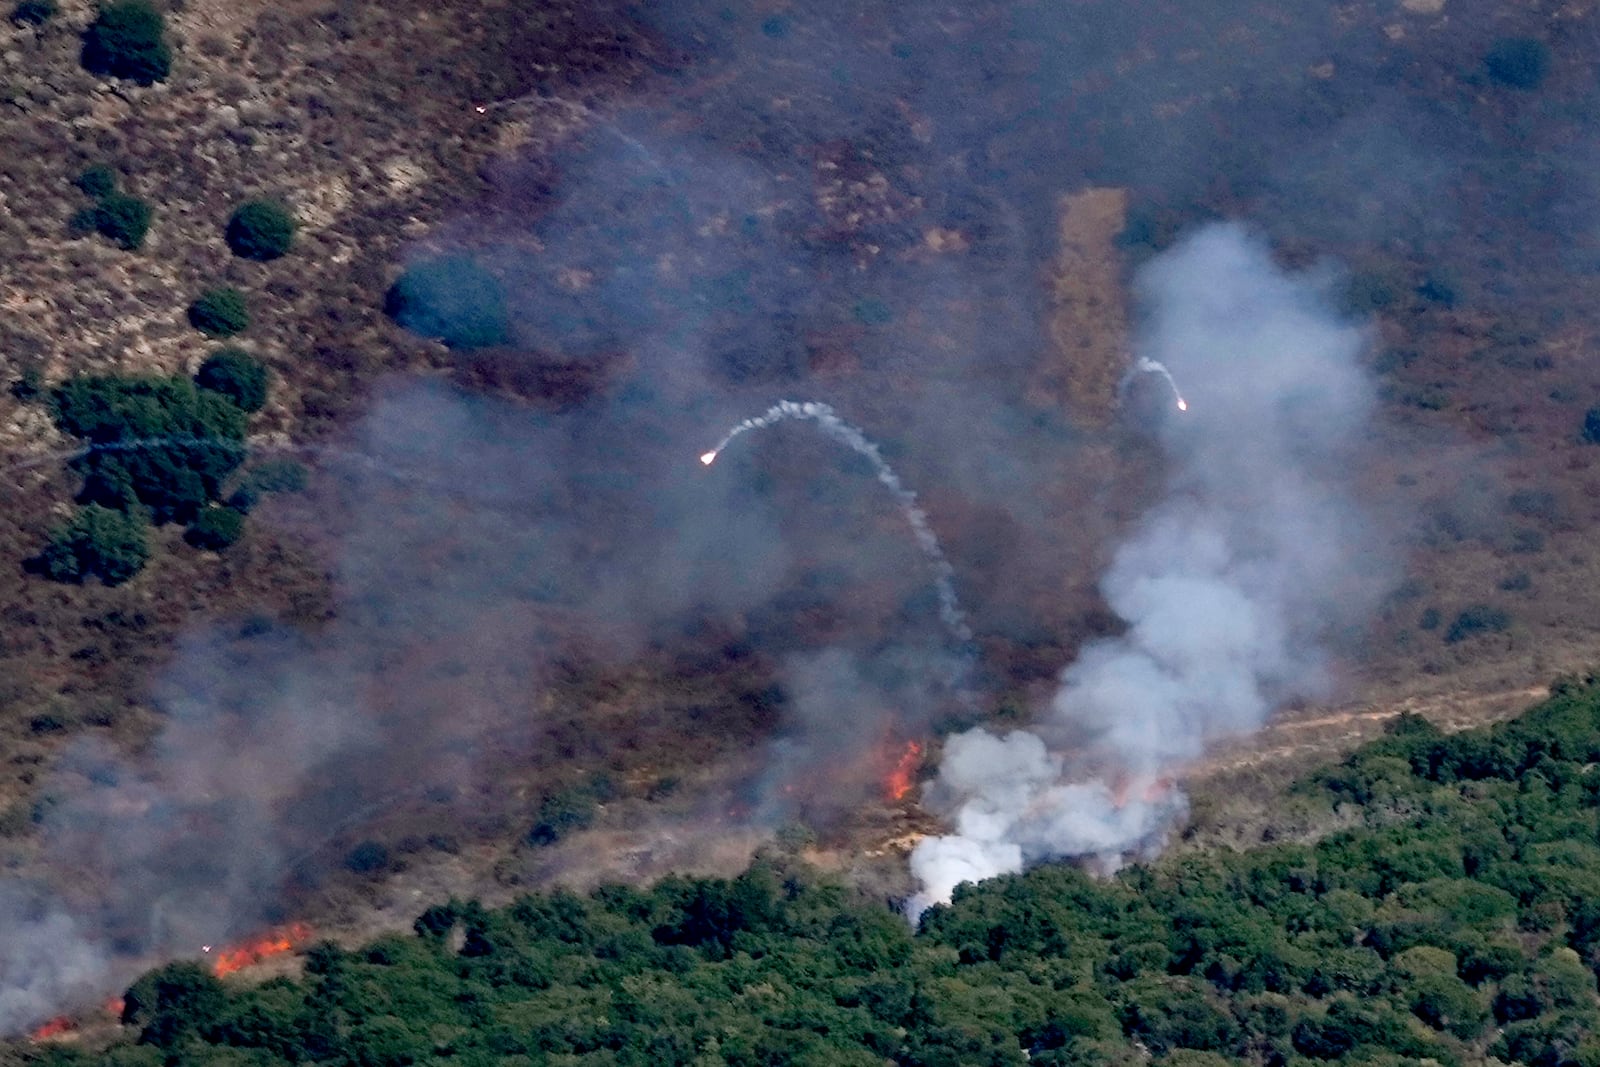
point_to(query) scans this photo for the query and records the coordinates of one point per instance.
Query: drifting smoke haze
(851, 202)
(1228, 587)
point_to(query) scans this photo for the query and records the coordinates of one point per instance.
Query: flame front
(54, 1028)
(901, 776)
(250, 953)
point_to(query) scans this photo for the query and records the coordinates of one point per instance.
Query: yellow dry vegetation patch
(1089, 313)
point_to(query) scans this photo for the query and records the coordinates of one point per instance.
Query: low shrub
(260, 229)
(220, 313)
(237, 375)
(128, 40)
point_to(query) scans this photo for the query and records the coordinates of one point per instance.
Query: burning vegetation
(277, 942)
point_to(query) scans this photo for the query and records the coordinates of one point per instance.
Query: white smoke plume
(46, 961)
(1228, 587)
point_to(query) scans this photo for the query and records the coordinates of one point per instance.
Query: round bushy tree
(128, 40)
(99, 542)
(98, 181)
(123, 220)
(1519, 62)
(237, 375)
(260, 229)
(453, 299)
(220, 313)
(1591, 426)
(214, 529)
(34, 12)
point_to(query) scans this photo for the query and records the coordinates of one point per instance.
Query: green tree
(123, 220)
(97, 181)
(1477, 619)
(561, 813)
(260, 229)
(453, 299)
(1520, 62)
(172, 1003)
(215, 529)
(237, 375)
(159, 442)
(34, 12)
(100, 543)
(128, 40)
(220, 313)
(1591, 426)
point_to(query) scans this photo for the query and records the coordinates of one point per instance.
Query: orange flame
(114, 1007)
(901, 776)
(54, 1028)
(276, 943)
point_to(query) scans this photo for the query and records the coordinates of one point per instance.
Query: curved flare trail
(950, 610)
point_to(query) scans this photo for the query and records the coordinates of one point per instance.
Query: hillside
(1443, 910)
(366, 561)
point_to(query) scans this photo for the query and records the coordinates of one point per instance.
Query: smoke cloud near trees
(1228, 587)
(858, 207)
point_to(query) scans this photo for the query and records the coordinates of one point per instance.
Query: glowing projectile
(708, 458)
(1183, 405)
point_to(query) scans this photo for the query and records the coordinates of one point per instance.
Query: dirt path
(1326, 734)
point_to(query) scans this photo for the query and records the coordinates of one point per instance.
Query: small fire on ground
(902, 775)
(1127, 787)
(52, 1029)
(273, 943)
(65, 1026)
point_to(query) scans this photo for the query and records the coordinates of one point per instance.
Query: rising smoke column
(1228, 587)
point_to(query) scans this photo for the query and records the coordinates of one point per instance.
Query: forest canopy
(1455, 917)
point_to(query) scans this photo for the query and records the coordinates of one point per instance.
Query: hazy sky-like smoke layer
(857, 203)
(1227, 586)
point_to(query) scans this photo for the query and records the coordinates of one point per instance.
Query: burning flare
(708, 458)
(1146, 365)
(276, 943)
(902, 776)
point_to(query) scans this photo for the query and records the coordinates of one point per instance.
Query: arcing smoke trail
(950, 610)
(1146, 365)
(1227, 586)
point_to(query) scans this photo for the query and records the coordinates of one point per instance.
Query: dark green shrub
(277, 476)
(28, 386)
(1477, 619)
(84, 221)
(220, 313)
(369, 857)
(34, 12)
(123, 220)
(453, 299)
(1520, 62)
(173, 1003)
(159, 442)
(128, 40)
(214, 529)
(1430, 619)
(560, 814)
(237, 375)
(98, 181)
(260, 229)
(100, 543)
(1591, 426)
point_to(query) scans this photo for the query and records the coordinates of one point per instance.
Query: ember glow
(275, 943)
(901, 776)
(53, 1029)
